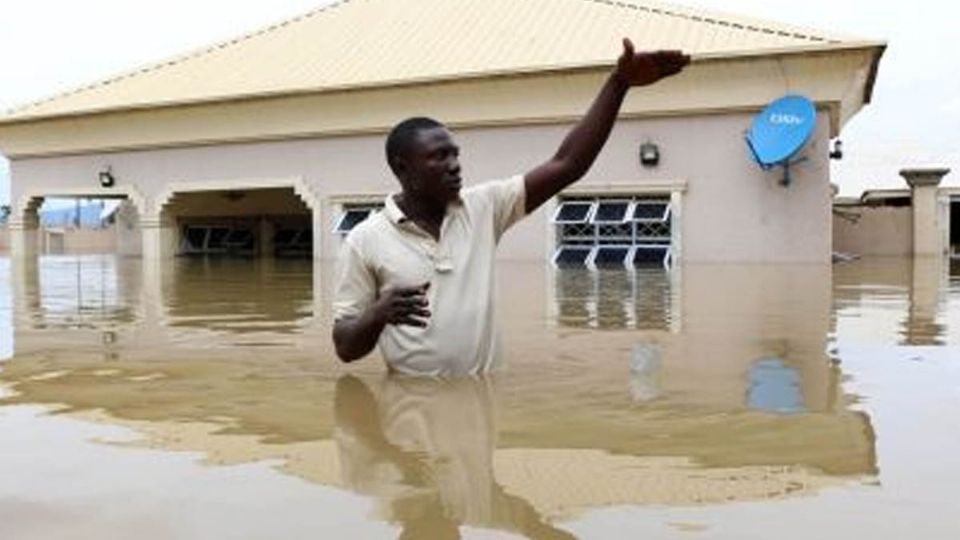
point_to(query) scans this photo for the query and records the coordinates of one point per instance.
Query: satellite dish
(781, 131)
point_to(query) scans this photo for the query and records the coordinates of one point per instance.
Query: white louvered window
(354, 214)
(613, 232)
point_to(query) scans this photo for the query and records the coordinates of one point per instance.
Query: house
(272, 143)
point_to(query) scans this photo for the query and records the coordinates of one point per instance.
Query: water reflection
(425, 449)
(642, 299)
(704, 386)
(242, 296)
(898, 301)
(6, 311)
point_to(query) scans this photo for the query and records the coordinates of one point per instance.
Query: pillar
(926, 290)
(319, 232)
(159, 237)
(265, 233)
(24, 227)
(927, 233)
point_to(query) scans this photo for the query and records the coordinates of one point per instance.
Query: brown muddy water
(201, 400)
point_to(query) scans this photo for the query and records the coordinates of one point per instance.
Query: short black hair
(403, 134)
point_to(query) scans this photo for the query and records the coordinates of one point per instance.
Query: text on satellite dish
(791, 119)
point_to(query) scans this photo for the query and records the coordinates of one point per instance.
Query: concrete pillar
(319, 232)
(24, 238)
(927, 234)
(265, 237)
(159, 237)
(926, 290)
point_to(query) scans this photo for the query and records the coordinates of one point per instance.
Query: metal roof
(363, 43)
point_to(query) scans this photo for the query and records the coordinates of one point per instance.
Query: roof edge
(558, 69)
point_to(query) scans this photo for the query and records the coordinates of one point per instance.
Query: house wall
(732, 211)
(79, 241)
(880, 231)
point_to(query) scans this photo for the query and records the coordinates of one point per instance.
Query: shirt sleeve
(508, 198)
(356, 287)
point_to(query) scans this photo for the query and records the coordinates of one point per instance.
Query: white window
(572, 255)
(354, 214)
(612, 232)
(574, 212)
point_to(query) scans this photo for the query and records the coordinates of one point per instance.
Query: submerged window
(611, 256)
(293, 242)
(617, 231)
(354, 214)
(572, 256)
(200, 239)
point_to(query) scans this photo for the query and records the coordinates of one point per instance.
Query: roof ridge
(178, 59)
(716, 18)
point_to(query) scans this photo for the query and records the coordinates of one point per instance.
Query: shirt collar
(398, 218)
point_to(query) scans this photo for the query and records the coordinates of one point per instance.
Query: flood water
(201, 399)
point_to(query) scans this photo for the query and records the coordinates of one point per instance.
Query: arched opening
(75, 223)
(254, 222)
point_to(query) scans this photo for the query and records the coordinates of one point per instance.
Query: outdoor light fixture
(649, 154)
(837, 152)
(106, 178)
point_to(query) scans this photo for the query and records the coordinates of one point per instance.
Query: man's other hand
(645, 68)
(404, 305)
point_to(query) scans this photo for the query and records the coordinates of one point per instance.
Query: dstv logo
(785, 118)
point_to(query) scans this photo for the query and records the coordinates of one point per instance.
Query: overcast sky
(47, 46)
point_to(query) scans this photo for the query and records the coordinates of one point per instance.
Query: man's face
(432, 166)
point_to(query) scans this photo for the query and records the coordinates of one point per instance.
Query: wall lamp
(837, 152)
(106, 178)
(649, 154)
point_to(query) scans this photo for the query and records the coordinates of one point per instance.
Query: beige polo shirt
(388, 250)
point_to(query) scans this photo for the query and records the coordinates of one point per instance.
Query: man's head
(423, 156)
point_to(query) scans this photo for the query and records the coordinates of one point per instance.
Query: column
(24, 230)
(265, 238)
(927, 234)
(926, 289)
(159, 237)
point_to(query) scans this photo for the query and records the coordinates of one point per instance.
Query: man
(418, 277)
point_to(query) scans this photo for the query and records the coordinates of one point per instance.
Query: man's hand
(404, 305)
(354, 337)
(646, 68)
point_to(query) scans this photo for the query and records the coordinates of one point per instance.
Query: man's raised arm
(581, 146)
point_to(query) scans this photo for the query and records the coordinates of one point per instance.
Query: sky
(48, 46)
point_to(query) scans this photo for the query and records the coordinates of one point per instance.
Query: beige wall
(732, 211)
(876, 231)
(4, 240)
(57, 241)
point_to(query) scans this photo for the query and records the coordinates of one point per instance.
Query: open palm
(645, 68)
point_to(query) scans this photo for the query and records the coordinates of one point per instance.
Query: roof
(369, 43)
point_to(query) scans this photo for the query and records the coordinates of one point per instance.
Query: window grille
(354, 214)
(293, 242)
(613, 232)
(199, 239)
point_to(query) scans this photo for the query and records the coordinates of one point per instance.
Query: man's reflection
(424, 448)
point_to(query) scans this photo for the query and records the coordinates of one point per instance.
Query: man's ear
(398, 166)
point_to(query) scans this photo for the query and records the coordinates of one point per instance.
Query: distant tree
(4, 212)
